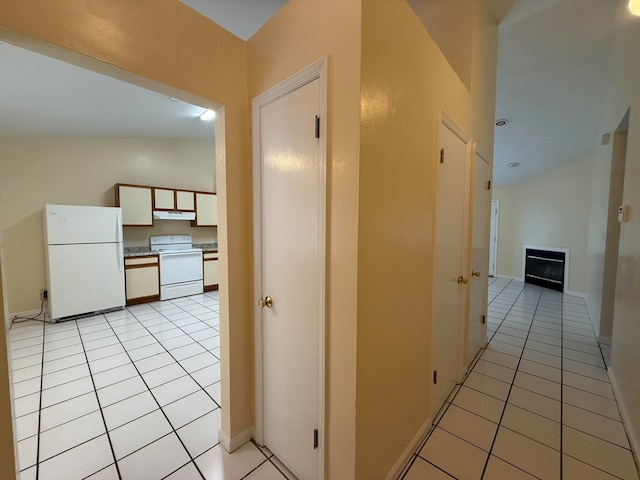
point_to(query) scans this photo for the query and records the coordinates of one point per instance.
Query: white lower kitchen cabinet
(142, 279)
(210, 271)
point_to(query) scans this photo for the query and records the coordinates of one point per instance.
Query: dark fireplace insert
(545, 268)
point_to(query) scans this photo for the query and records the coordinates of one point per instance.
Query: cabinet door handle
(474, 273)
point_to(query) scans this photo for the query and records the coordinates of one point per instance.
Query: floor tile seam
(515, 466)
(275, 465)
(501, 290)
(493, 377)
(606, 382)
(542, 351)
(627, 449)
(506, 400)
(436, 466)
(266, 460)
(498, 364)
(73, 419)
(536, 440)
(182, 466)
(460, 437)
(594, 412)
(183, 331)
(75, 446)
(173, 428)
(594, 466)
(39, 408)
(407, 467)
(95, 391)
(613, 399)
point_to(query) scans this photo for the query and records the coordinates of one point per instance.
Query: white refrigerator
(84, 258)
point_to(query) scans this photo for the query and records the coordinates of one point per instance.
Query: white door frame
(317, 70)
(493, 241)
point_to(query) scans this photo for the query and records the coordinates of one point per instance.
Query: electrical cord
(35, 317)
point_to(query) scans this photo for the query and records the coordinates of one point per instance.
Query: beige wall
(551, 210)
(8, 452)
(36, 171)
(625, 361)
(405, 80)
(168, 47)
(301, 33)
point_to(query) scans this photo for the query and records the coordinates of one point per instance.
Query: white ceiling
(552, 75)
(243, 18)
(553, 67)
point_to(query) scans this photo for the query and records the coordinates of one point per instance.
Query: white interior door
(477, 327)
(291, 273)
(493, 237)
(449, 261)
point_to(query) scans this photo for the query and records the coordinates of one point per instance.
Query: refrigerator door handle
(119, 227)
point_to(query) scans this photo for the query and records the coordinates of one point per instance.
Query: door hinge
(484, 319)
(489, 185)
(442, 155)
(317, 126)
(315, 438)
(435, 377)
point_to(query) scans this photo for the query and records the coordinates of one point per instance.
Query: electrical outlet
(44, 294)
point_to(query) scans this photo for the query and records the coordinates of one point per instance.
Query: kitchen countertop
(145, 251)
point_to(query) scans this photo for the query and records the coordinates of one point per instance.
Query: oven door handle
(173, 254)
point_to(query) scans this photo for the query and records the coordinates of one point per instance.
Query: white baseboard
(576, 294)
(626, 419)
(605, 340)
(232, 444)
(400, 465)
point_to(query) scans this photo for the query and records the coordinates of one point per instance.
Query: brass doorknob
(265, 302)
(462, 280)
(474, 273)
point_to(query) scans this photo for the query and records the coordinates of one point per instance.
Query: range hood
(173, 215)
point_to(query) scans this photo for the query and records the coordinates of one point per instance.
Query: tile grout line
(173, 429)
(506, 401)
(174, 358)
(44, 329)
(95, 391)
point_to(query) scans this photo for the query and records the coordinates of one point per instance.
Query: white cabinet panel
(164, 199)
(185, 201)
(136, 205)
(206, 209)
(142, 282)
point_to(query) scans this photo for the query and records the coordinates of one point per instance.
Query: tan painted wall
(405, 80)
(551, 210)
(168, 47)
(8, 452)
(625, 361)
(36, 171)
(301, 33)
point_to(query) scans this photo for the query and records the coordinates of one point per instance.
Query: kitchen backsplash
(139, 236)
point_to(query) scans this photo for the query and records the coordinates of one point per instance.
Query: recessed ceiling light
(514, 164)
(501, 122)
(634, 7)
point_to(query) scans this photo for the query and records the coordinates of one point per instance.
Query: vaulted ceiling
(552, 79)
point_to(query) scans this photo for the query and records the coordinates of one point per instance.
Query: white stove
(180, 266)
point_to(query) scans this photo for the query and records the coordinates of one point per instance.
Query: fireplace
(546, 267)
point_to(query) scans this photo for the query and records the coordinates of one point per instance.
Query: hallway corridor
(538, 402)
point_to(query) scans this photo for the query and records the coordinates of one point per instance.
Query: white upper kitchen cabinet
(184, 201)
(164, 199)
(136, 204)
(206, 210)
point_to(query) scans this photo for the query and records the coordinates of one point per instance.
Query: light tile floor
(537, 403)
(132, 394)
